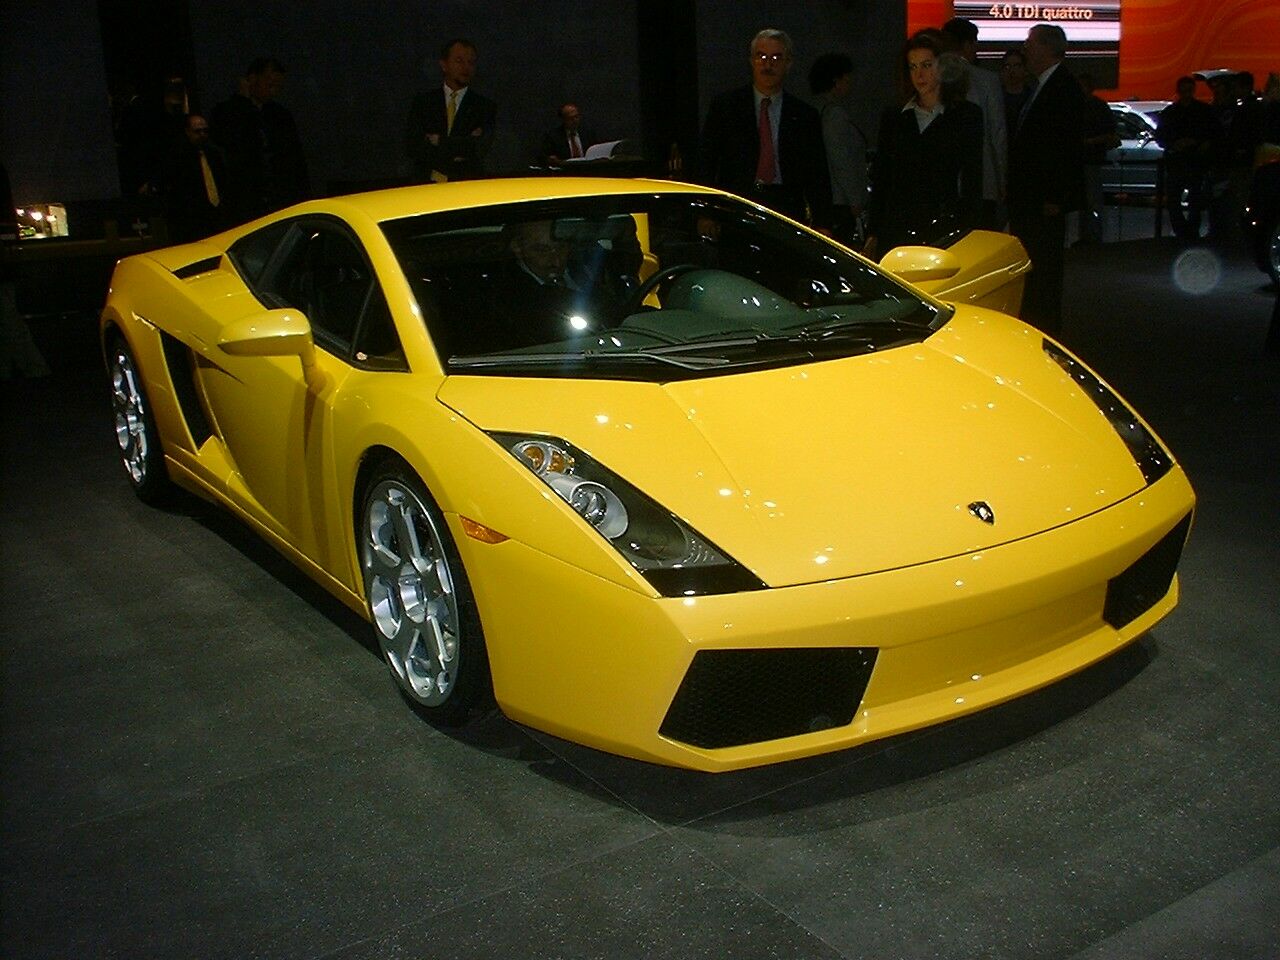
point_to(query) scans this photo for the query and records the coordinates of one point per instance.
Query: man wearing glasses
(766, 145)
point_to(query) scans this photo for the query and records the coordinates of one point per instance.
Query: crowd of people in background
(244, 160)
(968, 148)
(1210, 148)
(947, 160)
(965, 147)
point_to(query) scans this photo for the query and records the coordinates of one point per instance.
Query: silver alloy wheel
(130, 413)
(410, 592)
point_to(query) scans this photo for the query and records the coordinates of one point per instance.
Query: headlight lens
(664, 549)
(1152, 459)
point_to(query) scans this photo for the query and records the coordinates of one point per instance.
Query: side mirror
(916, 264)
(271, 333)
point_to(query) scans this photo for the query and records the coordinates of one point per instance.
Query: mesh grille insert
(732, 697)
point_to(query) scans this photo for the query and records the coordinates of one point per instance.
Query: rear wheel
(419, 598)
(136, 432)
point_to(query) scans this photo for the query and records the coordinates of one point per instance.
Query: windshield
(647, 286)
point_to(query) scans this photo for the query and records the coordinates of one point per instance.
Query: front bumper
(601, 665)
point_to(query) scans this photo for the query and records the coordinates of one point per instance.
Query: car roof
(1145, 110)
(399, 202)
(1139, 106)
(1208, 76)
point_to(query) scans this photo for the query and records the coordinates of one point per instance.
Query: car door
(274, 418)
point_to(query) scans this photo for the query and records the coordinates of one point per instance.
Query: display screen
(1092, 28)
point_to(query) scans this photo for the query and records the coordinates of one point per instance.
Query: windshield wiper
(690, 355)
(668, 355)
(834, 324)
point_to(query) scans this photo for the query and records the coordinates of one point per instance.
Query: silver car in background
(1131, 167)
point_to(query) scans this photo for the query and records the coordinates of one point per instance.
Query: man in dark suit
(568, 140)
(1191, 136)
(786, 167)
(1046, 172)
(264, 153)
(197, 192)
(450, 128)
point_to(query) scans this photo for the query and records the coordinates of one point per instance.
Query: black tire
(136, 433)
(419, 599)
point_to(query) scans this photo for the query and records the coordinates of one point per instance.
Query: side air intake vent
(181, 364)
(200, 266)
(1136, 591)
(732, 697)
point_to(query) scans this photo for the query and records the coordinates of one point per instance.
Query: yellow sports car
(657, 470)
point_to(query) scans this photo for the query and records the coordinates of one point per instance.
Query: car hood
(844, 467)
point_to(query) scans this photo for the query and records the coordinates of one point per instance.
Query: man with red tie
(766, 145)
(567, 141)
(450, 128)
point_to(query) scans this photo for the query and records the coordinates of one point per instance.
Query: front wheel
(136, 432)
(419, 598)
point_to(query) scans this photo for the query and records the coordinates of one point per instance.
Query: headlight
(1152, 459)
(673, 557)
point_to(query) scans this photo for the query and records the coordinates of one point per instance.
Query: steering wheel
(653, 283)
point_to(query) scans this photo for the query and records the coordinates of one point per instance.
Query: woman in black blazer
(926, 177)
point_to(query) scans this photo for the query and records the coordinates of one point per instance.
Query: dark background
(642, 71)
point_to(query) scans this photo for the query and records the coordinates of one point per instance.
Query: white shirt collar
(924, 115)
(914, 104)
(1048, 73)
(775, 99)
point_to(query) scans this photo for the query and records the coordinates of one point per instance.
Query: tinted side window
(252, 253)
(326, 277)
(377, 343)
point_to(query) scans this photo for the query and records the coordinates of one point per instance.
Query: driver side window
(326, 276)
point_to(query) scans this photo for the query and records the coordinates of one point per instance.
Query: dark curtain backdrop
(353, 68)
(55, 119)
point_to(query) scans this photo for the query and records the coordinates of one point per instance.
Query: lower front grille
(732, 697)
(1137, 590)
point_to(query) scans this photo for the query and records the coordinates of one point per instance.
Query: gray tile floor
(201, 756)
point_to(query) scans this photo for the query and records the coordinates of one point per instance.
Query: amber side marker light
(478, 531)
